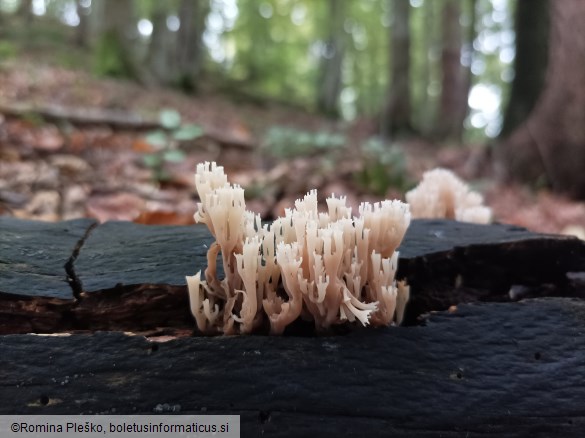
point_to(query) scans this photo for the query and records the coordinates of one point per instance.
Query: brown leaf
(48, 138)
(142, 146)
(163, 217)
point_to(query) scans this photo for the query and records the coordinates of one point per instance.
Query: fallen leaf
(48, 138)
(140, 145)
(162, 217)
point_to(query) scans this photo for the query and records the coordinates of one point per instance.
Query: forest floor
(66, 152)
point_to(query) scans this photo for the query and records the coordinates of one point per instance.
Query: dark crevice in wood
(500, 272)
(32, 314)
(72, 277)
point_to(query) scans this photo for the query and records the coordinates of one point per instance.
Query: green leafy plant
(384, 167)
(166, 140)
(285, 142)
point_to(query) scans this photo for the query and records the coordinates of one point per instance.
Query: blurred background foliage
(327, 56)
(383, 87)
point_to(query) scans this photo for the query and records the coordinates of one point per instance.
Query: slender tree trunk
(190, 42)
(453, 92)
(82, 32)
(397, 117)
(532, 25)
(116, 54)
(332, 60)
(551, 140)
(426, 71)
(467, 72)
(25, 11)
(160, 48)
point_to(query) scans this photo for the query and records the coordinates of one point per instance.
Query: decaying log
(81, 116)
(121, 337)
(497, 369)
(116, 119)
(124, 276)
(34, 255)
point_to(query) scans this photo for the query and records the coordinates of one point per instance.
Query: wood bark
(496, 369)
(550, 144)
(77, 275)
(397, 112)
(505, 369)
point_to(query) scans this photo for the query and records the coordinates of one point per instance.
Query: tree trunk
(453, 92)
(397, 112)
(426, 71)
(331, 61)
(467, 73)
(160, 48)
(532, 26)
(189, 43)
(551, 140)
(116, 55)
(25, 11)
(82, 32)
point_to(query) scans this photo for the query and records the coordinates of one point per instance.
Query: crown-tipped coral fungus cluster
(441, 194)
(329, 267)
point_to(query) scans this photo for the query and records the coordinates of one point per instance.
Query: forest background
(106, 105)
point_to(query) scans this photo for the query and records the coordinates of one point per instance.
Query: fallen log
(116, 119)
(120, 337)
(498, 369)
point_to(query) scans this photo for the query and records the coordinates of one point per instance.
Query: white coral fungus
(328, 267)
(441, 194)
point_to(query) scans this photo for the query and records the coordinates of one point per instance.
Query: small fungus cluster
(441, 194)
(327, 267)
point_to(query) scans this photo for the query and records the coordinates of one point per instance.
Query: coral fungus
(328, 267)
(441, 194)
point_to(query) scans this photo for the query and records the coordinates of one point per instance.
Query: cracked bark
(72, 277)
(129, 277)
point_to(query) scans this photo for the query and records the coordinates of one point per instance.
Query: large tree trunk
(532, 25)
(397, 112)
(551, 141)
(332, 59)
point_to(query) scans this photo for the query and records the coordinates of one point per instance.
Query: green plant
(165, 142)
(285, 142)
(7, 50)
(384, 166)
